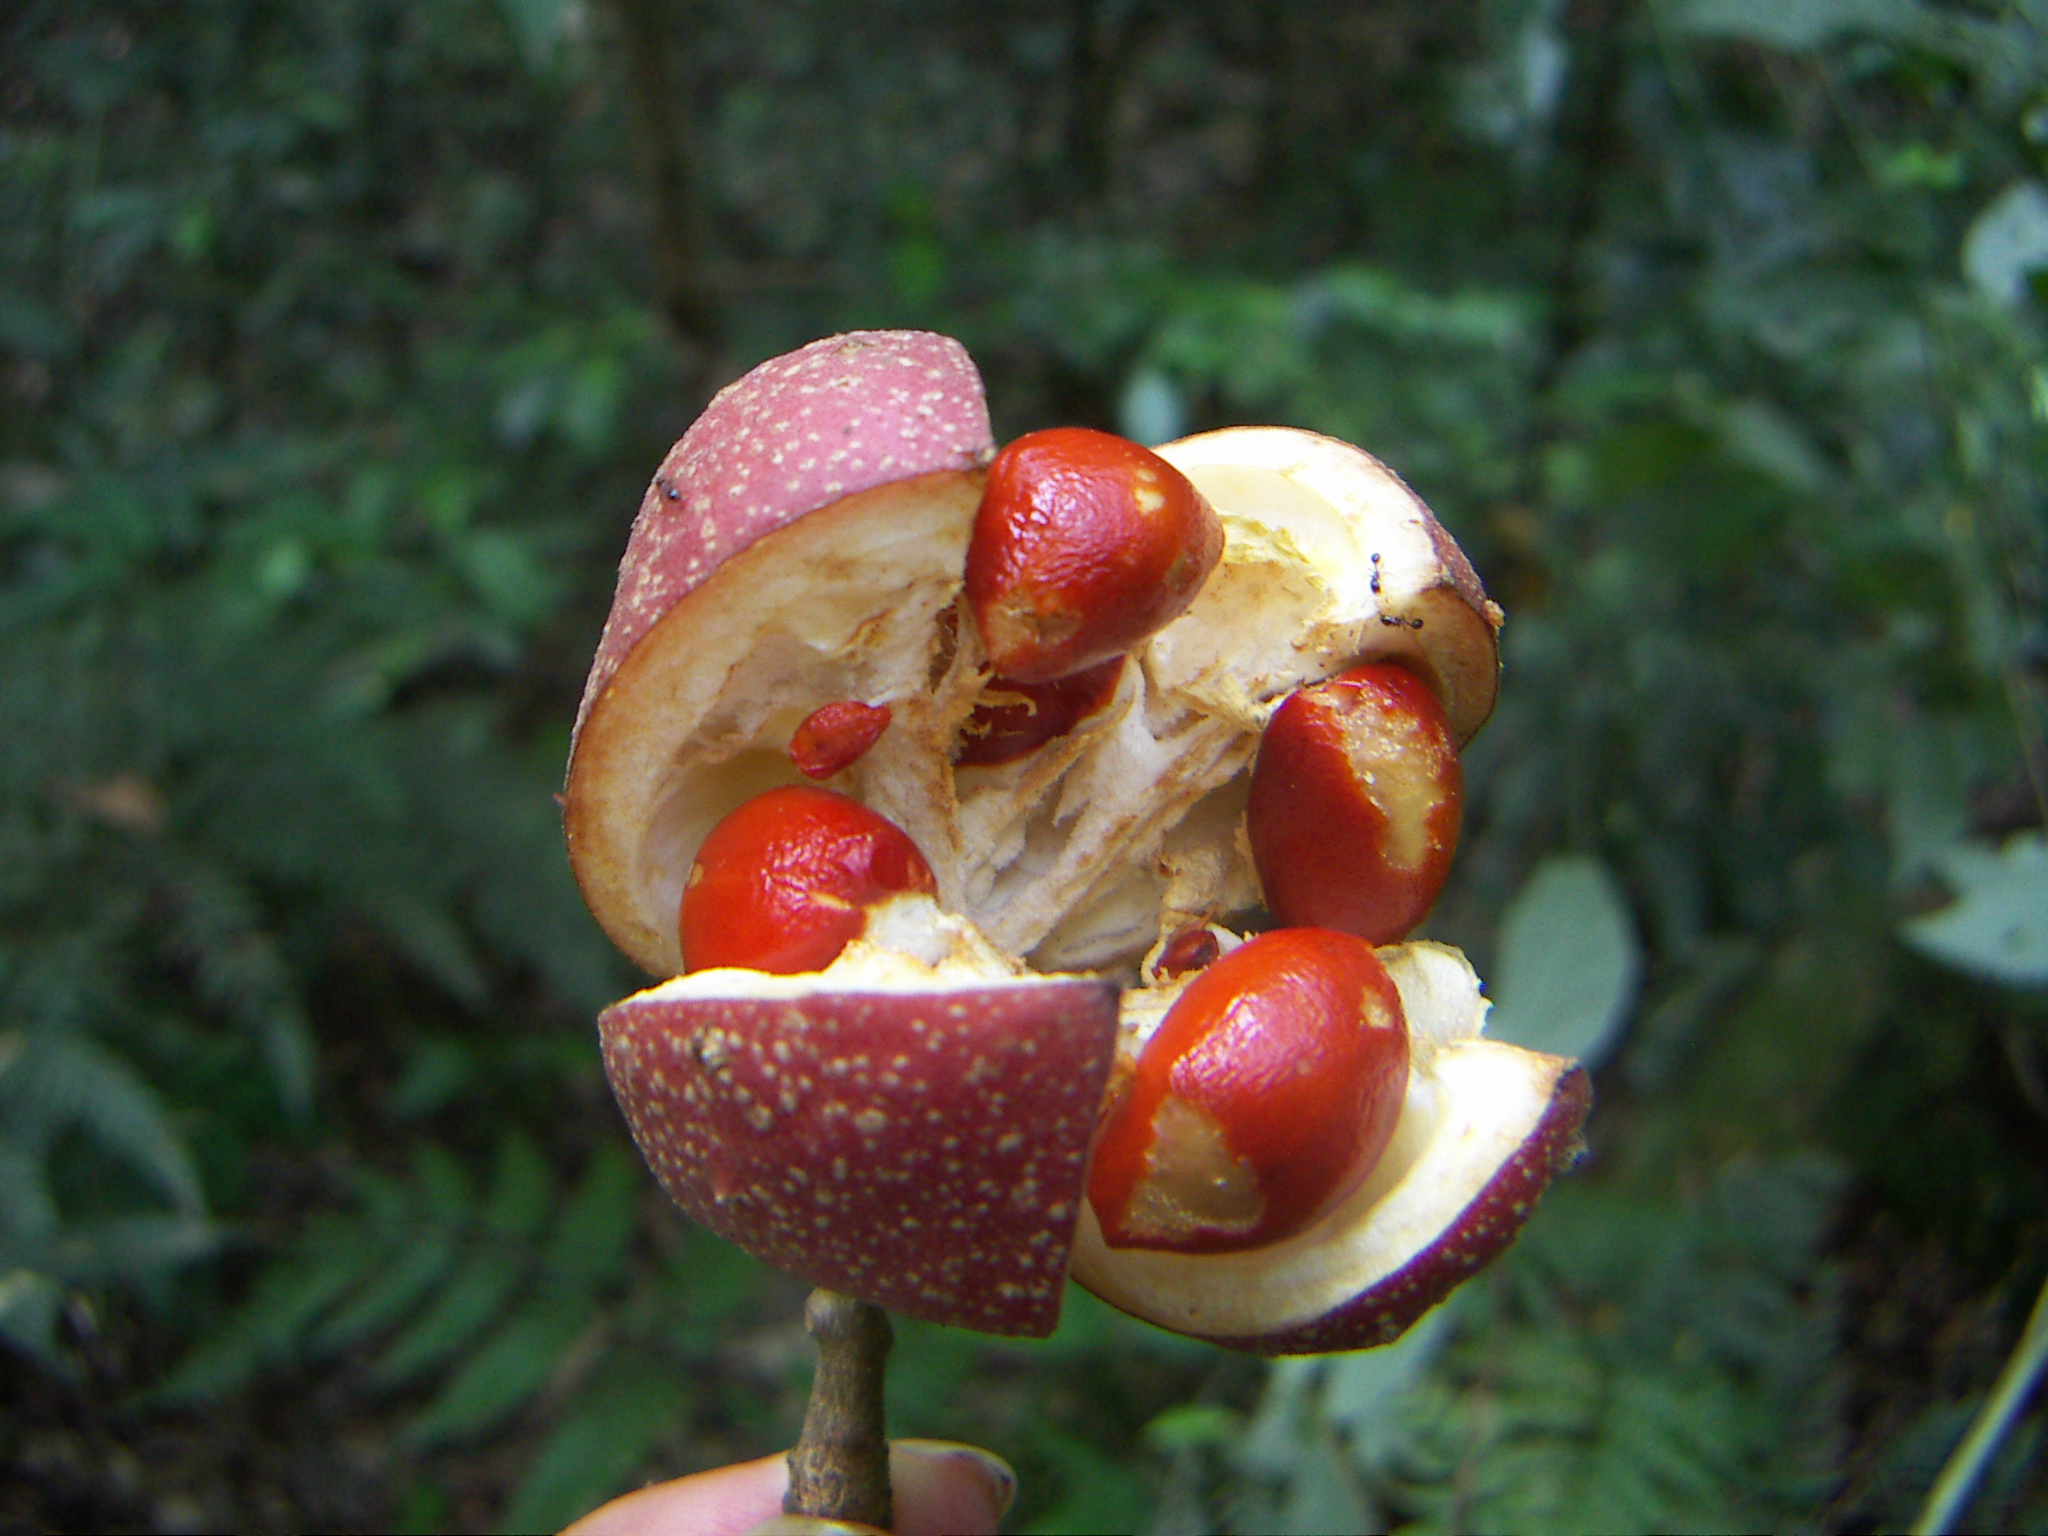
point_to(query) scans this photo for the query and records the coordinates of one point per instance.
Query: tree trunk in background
(663, 137)
(1104, 38)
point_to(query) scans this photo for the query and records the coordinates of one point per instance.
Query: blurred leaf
(1096, 1493)
(599, 1440)
(30, 1304)
(1151, 410)
(1568, 962)
(2008, 242)
(1190, 1425)
(1272, 1442)
(1998, 925)
(1324, 1494)
(503, 1373)
(266, 1329)
(1362, 1391)
(595, 1226)
(540, 27)
(1792, 24)
(63, 1080)
(460, 1312)
(522, 1189)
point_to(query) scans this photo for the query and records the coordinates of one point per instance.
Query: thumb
(939, 1487)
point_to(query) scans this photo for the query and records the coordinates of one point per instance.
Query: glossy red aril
(1012, 719)
(1354, 804)
(1083, 545)
(836, 736)
(784, 883)
(1266, 1094)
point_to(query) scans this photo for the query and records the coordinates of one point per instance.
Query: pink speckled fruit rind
(925, 1151)
(843, 414)
(1477, 1236)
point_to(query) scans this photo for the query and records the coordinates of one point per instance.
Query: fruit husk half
(1483, 1128)
(911, 1135)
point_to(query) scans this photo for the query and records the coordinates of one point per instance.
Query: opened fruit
(1010, 1028)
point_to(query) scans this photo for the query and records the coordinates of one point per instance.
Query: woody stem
(840, 1467)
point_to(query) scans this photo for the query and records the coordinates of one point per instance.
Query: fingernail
(811, 1525)
(996, 1472)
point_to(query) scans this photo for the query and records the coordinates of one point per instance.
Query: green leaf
(1323, 1495)
(2008, 243)
(599, 1440)
(1791, 24)
(522, 1190)
(594, 1230)
(72, 1080)
(1998, 925)
(1363, 1391)
(391, 1294)
(29, 1306)
(131, 1247)
(503, 1373)
(1272, 1440)
(464, 1308)
(539, 27)
(1568, 962)
(268, 1327)
(1190, 1425)
(1097, 1492)
(31, 328)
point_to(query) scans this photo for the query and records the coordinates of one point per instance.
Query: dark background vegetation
(336, 342)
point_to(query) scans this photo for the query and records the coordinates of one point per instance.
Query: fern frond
(216, 929)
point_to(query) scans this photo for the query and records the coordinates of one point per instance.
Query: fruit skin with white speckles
(841, 415)
(795, 580)
(922, 1149)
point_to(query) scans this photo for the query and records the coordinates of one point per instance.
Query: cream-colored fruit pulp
(1191, 1182)
(1395, 759)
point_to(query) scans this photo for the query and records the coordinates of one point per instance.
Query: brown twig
(840, 1467)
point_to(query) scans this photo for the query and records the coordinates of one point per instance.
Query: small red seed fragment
(836, 736)
(784, 882)
(1189, 950)
(1083, 545)
(1267, 1093)
(1012, 719)
(1354, 804)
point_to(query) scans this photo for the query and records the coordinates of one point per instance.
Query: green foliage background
(336, 341)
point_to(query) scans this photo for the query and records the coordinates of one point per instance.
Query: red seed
(836, 736)
(1084, 544)
(1266, 1094)
(1354, 804)
(784, 882)
(1012, 720)
(1189, 950)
